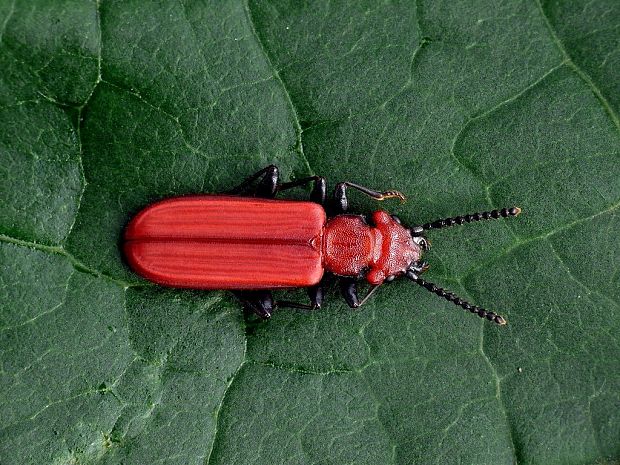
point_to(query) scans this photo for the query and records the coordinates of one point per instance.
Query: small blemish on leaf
(107, 441)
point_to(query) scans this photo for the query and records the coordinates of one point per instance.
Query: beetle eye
(396, 218)
(390, 278)
(422, 242)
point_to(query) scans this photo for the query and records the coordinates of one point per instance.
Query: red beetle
(252, 244)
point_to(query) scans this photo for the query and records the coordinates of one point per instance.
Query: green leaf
(464, 106)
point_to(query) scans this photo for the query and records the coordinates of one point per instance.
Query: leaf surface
(467, 106)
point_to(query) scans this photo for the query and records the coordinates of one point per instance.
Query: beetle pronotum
(248, 242)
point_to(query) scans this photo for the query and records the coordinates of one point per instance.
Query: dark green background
(106, 106)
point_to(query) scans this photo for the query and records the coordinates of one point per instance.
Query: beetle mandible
(248, 242)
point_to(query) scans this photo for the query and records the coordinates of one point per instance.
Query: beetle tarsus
(391, 195)
(340, 194)
(290, 304)
(369, 294)
(316, 299)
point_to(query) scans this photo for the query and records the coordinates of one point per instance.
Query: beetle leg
(259, 302)
(348, 286)
(370, 293)
(340, 198)
(268, 184)
(318, 190)
(340, 194)
(316, 294)
(316, 299)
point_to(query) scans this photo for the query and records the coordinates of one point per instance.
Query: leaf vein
(486, 114)
(218, 409)
(498, 394)
(278, 78)
(523, 242)
(46, 312)
(176, 120)
(78, 265)
(580, 282)
(7, 19)
(581, 73)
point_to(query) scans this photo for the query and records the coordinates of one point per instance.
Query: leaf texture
(106, 106)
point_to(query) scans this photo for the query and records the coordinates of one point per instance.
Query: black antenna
(481, 312)
(446, 222)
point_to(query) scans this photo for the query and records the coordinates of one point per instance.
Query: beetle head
(420, 243)
(395, 250)
(419, 239)
(417, 268)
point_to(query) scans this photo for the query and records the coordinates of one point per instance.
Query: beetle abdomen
(225, 242)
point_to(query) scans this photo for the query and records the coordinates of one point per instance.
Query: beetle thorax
(352, 247)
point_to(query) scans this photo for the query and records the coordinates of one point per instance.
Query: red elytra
(227, 242)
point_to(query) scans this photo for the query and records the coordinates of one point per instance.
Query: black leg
(318, 190)
(348, 287)
(342, 203)
(259, 302)
(340, 199)
(316, 294)
(267, 187)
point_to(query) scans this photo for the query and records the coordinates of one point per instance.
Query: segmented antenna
(449, 296)
(446, 222)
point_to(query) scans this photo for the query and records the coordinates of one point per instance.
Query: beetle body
(226, 242)
(252, 243)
